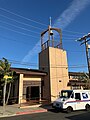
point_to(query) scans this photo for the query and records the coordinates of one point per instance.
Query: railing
(51, 43)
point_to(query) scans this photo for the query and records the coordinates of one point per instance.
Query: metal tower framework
(51, 42)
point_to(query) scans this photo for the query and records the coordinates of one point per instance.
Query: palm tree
(4, 73)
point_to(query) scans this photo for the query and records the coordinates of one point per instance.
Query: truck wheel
(69, 109)
(87, 107)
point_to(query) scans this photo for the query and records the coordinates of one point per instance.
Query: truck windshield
(66, 93)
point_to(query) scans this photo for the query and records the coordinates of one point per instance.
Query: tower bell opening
(52, 41)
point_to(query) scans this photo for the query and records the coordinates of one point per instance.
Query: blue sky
(22, 21)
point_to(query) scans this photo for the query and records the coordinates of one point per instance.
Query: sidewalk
(12, 110)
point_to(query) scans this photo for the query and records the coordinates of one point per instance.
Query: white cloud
(62, 21)
(71, 13)
(32, 53)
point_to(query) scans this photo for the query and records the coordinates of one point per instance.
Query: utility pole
(85, 40)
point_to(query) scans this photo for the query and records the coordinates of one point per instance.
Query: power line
(74, 51)
(21, 22)
(19, 32)
(15, 40)
(41, 28)
(73, 32)
(51, 67)
(24, 42)
(35, 64)
(18, 27)
(85, 41)
(33, 21)
(6, 38)
(22, 16)
(70, 35)
(67, 38)
(58, 66)
(33, 31)
(17, 61)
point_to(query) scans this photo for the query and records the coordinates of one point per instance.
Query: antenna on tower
(51, 33)
(50, 21)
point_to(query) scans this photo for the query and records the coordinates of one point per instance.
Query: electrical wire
(74, 51)
(15, 40)
(19, 27)
(8, 38)
(21, 22)
(66, 35)
(52, 66)
(38, 28)
(30, 30)
(73, 32)
(3, 9)
(34, 21)
(24, 42)
(19, 32)
(17, 61)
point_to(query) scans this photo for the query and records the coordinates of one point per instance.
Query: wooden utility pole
(85, 40)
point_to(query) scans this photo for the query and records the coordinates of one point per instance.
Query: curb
(30, 112)
(23, 113)
(30, 106)
(3, 116)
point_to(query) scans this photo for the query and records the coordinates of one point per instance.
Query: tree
(6, 77)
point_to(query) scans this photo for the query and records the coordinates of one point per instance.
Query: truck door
(78, 101)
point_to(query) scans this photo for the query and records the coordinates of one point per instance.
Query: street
(52, 115)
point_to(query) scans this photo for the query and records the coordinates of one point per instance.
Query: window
(72, 95)
(76, 87)
(84, 95)
(77, 96)
(66, 93)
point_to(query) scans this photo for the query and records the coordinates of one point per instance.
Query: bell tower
(53, 60)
